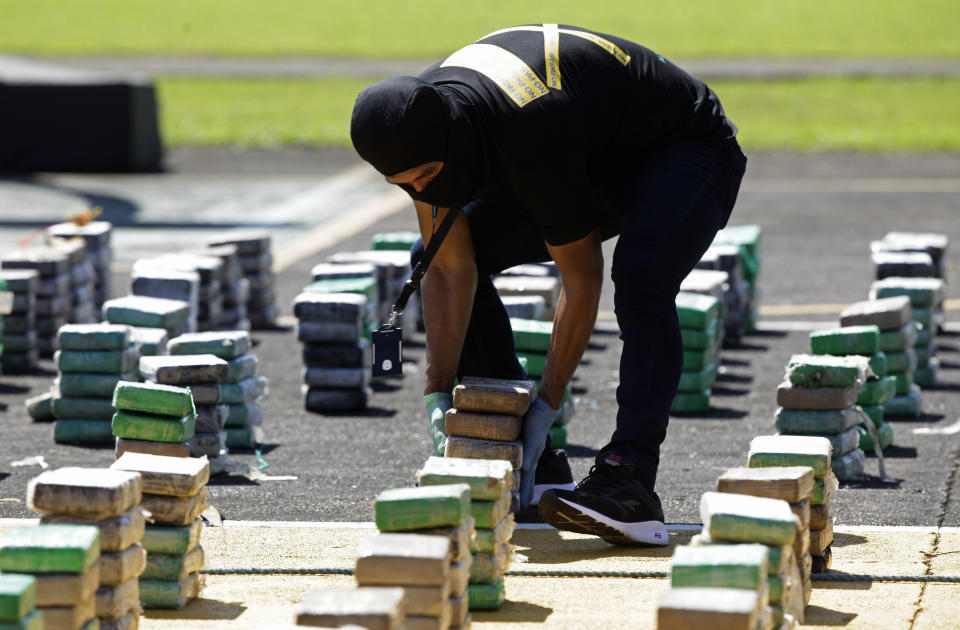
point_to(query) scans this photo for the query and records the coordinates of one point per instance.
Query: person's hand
(437, 406)
(536, 426)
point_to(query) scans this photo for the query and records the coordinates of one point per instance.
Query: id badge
(387, 352)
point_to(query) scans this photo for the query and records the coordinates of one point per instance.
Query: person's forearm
(447, 304)
(572, 327)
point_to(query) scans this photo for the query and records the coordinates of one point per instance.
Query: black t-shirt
(563, 111)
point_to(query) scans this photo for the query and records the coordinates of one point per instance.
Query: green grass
(809, 115)
(432, 28)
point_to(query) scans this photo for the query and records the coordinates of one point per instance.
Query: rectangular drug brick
(211, 418)
(820, 539)
(162, 539)
(241, 367)
(696, 311)
(472, 448)
(67, 589)
(49, 549)
(531, 335)
(175, 511)
(334, 271)
(225, 344)
(788, 483)
(98, 361)
(91, 493)
(824, 422)
(152, 341)
(183, 370)
(695, 608)
(80, 616)
(724, 566)
(524, 306)
(82, 432)
(18, 596)
(886, 314)
(356, 355)
(546, 287)
(488, 395)
(877, 392)
(898, 340)
(323, 399)
(815, 399)
(119, 566)
(170, 449)
(402, 509)
(486, 596)
(371, 607)
(488, 514)
(863, 340)
(460, 537)
(487, 479)
(330, 307)
(487, 426)
(80, 385)
(170, 595)
(336, 377)
(116, 533)
(806, 370)
(921, 291)
(824, 489)
(489, 567)
(173, 476)
(425, 600)
(843, 443)
(152, 398)
(65, 408)
(391, 559)
(141, 426)
(487, 540)
(247, 390)
(328, 332)
(173, 568)
(699, 339)
(113, 602)
(742, 518)
(696, 382)
(149, 312)
(94, 337)
(850, 465)
(790, 450)
(247, 242)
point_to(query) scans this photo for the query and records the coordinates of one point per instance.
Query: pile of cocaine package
(207, 308)
(747, 239)
(18, 602)
(819, 398)
(877, 391)
(64, 561)
(391, 269)
(234, 289)
(699, 317)
(256, 261)
(336, 356)
(109, 500)
(18, 327)
(174, 493)
(910, 255)
(926, 301)
(736, 290)
(530, 291)
(95, 236)
(897, 340)
(531, 339)
(6, 307)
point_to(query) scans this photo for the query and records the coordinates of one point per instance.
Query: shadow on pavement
(514, 612)
(200, 608)
(728, 391)
(844, 540)
(819, 616)
(715, 413)
(898, 452)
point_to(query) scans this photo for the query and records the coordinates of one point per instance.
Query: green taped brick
(366, 287)
(921, 291)
(909, 405)
(699, 381)
(824, 489)
(173, 568)
(93, 337)
(172, 540)
(533, 363)
(403, 509)
(849, 466)
(923, 316)
(775, 589)
(898, 340)
(87, 408)
(878, 365)
(80, 385)
(486, 596)
(161, 400)
(240, 437)
(141, 426)
(558, 436)
(875, 413)
(926, 376)
(924, 355)
(170, 595)
(31, 621)
(776, 554)
(696, 311)
(812, 422)
(486, 478)
(244, 416)
(904, 381)
(843, 443)
(83, 432)
(743, 518)
(240, 368)
(531, 335)
(18, 596)
(98, 361)
(489, 567)
(884, 433)
(40, 407)
(729, 566)
(152, 341)
(696, 360)
(691, 402)
(247, 390)
(400, 241)
(863, 340)
(905, 361)
(49, 549)
(699, 339)
(148, 312)
(488, 514)
(223, 344)
(487, 540)
(790, 450)
(924, 337)
(807, 370)
(877, 392)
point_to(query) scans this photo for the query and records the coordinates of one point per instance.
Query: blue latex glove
(536, 425)
(437, 406)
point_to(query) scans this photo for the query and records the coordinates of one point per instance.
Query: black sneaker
(608, 503)
(553, 473)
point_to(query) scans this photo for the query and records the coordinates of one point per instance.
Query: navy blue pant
(667, 212)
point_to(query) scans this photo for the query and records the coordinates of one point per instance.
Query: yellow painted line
(892, 185)
(776, 310)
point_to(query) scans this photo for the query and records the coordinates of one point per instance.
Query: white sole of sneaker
(539, 490)
(646, 532)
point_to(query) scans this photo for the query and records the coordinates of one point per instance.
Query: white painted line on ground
(948, 430)
(303, 524)
(772, 325)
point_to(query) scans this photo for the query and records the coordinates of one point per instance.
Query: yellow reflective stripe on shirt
(509, 72)
(606, 44)
(551, 54)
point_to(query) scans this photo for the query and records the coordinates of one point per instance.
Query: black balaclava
(404, 122)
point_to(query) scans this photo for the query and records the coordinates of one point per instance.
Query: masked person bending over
(546, 140)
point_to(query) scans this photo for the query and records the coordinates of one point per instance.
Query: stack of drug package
(524, 284)
(156, 281)
(736, 292)
(817, 517)
(96, 240)
(110, 500)
(54, 299)
(201, 376)
(423, 546)
(358, 278)
(65, 562)
(153, 314)
(256, 260)
(18, 602)
(364, 608)
(878, 389)
(392, 271)
(531, 338)
(6, 307)
(92, 359)
(486, 422)
(818, 398)
(747, 238)
(711, 283)
(83, 281)
(152, 418)
(699, 317)
(175, 493)
(926, 300)
(336, 358)
(895, 255)
(898, 338)
(402, 241)
(490, 548)
(234, 288)
(236, 416)
(727, 578)
(210, 269)
(19, 327)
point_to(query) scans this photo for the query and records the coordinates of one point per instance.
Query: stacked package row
(402, 241)
(531, 338)
(392, 269)
(256, 262)
(356, 278)
(97, 253)
(109, 500)
(144, 427)
(747, 239)
(19, 327)
(423, 546)
(92, 360)
(64, 561)
(897, 340)
(84, 308)
(525, 287)
(336, 375)
(175, 493)
(910, 255)
(234, 288)
(6, 307)
(54, 299)
(237, 416)
(207, 308)
(816, 516)
(18, 602)
(155, 319)
(819, 398)
(736, 290)
(699, 317)
(878, 390)
(926, 301)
